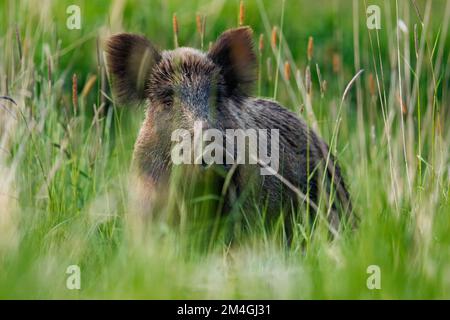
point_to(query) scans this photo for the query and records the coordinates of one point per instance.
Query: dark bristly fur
(185, 85)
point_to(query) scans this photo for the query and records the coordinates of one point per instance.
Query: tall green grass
(64, 162)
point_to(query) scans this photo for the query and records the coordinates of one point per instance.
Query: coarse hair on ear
(130, 59)
(233, 53)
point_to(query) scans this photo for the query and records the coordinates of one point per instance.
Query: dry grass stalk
(75, 93)
(274, 37)
(49, 70)
(269, 68)
(19, 42)
(402, 105)
(416, 41)
(319, 76)
(261, 43)
(298, 79)
(350, 84)
(324, 86)
(417, 11)
(200, 23)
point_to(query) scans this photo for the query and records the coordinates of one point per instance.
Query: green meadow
(66, 148)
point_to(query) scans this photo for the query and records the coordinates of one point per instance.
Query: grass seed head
(274, 37)
(308, 84)
(198, 22)
(241, 13)
(372, 87)
(310, 50)
(287, 70)
(336, 62)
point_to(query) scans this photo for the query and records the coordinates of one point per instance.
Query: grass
(65, 151)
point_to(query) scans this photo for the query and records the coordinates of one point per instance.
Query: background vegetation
(65, 150)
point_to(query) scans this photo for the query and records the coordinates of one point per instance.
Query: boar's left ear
(130, 59)
(233, 52)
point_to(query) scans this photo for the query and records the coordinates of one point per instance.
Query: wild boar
(185, 86)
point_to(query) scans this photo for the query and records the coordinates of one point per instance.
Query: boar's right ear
(130, 59)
